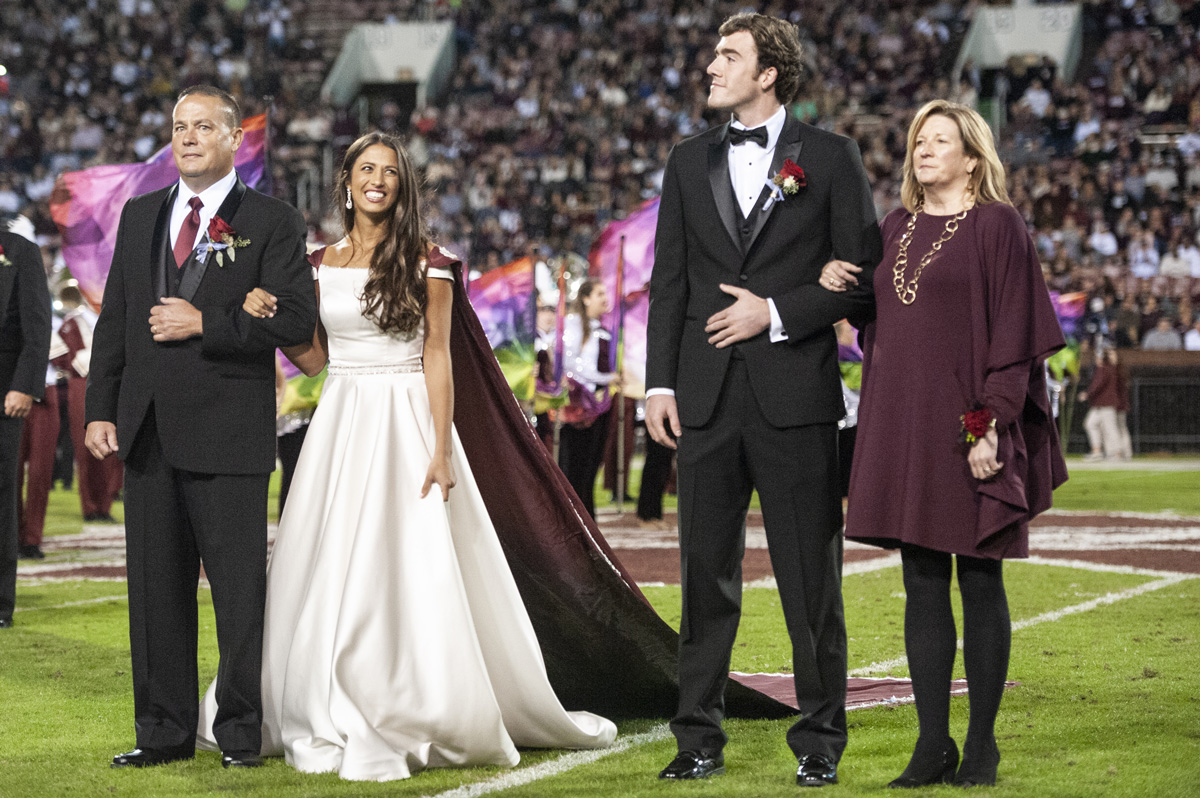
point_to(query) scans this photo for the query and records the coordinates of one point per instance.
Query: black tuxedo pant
(10, 446)
(174, 520)
(580, 455)
(795, 471)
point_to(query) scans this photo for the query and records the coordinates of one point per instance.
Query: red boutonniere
(786, 182)
(976, 423)
(221, 239)
(4, 261)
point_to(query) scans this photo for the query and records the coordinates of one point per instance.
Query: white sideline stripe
(848, 569)
(1073, 545)
(554, 767)
(1164, 515)
(73, 565)
(1108, 598)
(100, 600)
(1084, 536)
(1053, 615)
(1086, 565)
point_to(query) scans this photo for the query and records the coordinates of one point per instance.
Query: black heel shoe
(978, 768)
(925, 770)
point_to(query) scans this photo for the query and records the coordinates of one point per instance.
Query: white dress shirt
(579, 356)
(212, 197)
(750, 164)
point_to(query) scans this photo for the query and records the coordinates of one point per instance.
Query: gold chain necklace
(908, 293)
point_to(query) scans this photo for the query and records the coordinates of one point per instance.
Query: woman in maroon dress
(956, 445)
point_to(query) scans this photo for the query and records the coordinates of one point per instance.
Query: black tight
(930, 641)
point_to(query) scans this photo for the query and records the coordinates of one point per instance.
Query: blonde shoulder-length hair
(986, 183)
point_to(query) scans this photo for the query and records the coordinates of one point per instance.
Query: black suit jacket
(24, 318)
(698, 247)
(213, 396)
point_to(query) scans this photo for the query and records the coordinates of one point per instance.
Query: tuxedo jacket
(213, 396)
(699, 245)
(24, 318)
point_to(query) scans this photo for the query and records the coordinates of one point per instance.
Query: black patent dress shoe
(148, 757)
(688, 765)
(5, 623)
(241, 759)
(925, 771)
(815, 770)
(30, 552)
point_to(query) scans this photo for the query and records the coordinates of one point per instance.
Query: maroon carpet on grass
(861, 692)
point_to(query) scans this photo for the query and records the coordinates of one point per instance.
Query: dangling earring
(349, 202)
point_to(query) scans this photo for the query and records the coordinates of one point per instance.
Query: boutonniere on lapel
(4, 261)
(221, 239)
(786, 182)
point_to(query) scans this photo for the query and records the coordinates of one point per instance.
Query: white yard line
(99, 600)
(1054, 615)
(1162, 515)
(1100, 567)
(554, 767)
(848, 569)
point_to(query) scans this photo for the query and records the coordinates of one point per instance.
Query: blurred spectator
(1163, 336)
(1106, 392)
(1191, 341)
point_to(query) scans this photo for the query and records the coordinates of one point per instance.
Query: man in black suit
(743, 377)
(182, 388)
(24, 353)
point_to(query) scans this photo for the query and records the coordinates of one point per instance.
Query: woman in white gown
(395, 638)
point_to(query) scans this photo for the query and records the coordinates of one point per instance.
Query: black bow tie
(739, 136)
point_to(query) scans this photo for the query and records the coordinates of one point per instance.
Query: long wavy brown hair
(394, 295)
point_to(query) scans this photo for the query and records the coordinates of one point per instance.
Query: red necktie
(187, 233)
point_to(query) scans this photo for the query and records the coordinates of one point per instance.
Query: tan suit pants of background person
(1105, 434)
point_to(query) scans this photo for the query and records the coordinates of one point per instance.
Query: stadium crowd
(560, 115)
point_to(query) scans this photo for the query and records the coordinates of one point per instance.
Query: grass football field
(1107, 661)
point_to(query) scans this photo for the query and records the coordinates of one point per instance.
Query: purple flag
(87, 205)
(503, 301)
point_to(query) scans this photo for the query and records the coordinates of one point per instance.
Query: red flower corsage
(976, 423)
(221, 239)
(4, 261)
(786, 182)
(790, 178)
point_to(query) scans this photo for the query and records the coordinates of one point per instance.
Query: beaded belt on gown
(380, 368)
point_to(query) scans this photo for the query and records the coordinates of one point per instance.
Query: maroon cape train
(606, 649)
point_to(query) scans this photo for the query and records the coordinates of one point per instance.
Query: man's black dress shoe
(30, 552)
(241, 759)
(5, 623)
(815, 770)
(689, 765)
(147, 757)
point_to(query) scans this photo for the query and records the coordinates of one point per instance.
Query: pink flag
(87, 205)
(638, 258)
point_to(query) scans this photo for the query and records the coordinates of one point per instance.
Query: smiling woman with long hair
(395, 638)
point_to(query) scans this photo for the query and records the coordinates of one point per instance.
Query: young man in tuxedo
(24, 352)
(182, 388)
(743, 378)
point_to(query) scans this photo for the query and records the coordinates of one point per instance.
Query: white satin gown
(395, 638)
